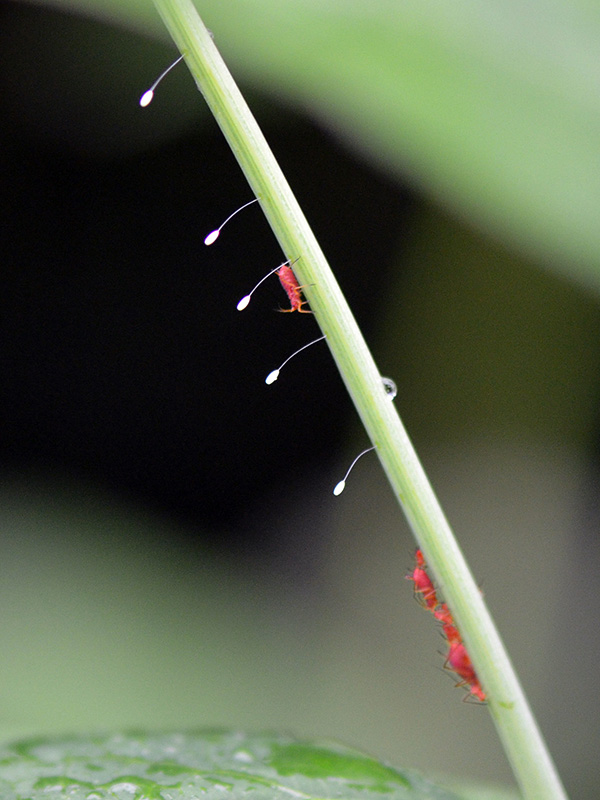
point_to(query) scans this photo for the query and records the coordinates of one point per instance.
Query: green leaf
(492, 108)
(207, 764)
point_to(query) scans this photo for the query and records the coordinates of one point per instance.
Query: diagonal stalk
(518, 731)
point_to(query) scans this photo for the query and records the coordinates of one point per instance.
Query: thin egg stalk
(214, 235)
(245, 301)
(148, 95)
(339, 487)
(272, 376)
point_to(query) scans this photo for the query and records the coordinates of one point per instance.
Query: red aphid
(444, 615)
(458, 660)
(476, 691)
(423, 584)
(290, 283)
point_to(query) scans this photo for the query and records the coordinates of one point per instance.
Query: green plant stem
(525, 748)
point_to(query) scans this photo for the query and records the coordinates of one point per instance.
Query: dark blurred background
(171, 552)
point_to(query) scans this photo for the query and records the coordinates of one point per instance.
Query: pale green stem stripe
(526, 750)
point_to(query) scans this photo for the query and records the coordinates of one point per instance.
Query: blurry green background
(170, 551)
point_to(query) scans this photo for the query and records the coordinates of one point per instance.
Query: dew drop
(390, 388)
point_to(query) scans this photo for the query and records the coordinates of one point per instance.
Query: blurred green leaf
(481, 792)
(206, 763)
(492, 107)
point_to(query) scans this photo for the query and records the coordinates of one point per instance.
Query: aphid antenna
(148, 95)
(245, 301)
(272, 376)
(339, 487)
(214, 235)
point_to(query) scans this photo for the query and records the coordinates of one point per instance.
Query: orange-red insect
(423, 584)
(290, 283)
(458, 660)
(444, 615)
